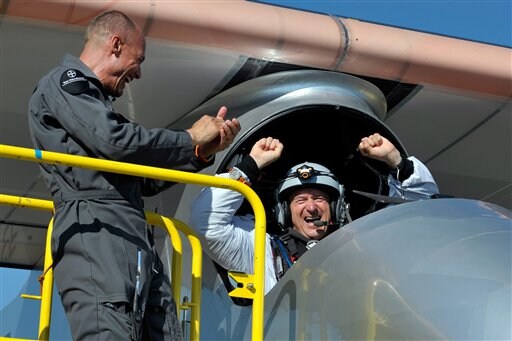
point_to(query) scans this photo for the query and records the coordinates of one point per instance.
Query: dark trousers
(98, 266)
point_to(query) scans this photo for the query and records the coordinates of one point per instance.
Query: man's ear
(116, 45)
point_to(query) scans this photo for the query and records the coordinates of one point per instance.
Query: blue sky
(487, 21)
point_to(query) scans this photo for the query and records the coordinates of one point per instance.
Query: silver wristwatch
(236, 174)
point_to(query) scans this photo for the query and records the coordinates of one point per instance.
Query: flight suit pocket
(118, 322)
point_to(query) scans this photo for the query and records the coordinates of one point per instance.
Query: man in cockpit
(309, 206)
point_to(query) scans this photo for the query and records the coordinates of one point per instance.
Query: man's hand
(226, 133)
(266, 151)
(379, 148)
(207, 127)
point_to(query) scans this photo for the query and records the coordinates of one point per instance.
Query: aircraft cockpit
(319, 117)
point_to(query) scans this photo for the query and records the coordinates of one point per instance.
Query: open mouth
(310, 220)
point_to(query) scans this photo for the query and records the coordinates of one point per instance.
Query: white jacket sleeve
(228, 239)
(420, 185)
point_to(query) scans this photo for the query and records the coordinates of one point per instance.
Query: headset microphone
(320, 223)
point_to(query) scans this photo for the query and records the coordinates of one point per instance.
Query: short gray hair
(107, 23)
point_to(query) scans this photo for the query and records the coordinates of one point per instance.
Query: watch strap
(242, 178)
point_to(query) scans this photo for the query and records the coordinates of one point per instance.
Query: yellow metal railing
(252, 285)
(171, 225)
(46, 285)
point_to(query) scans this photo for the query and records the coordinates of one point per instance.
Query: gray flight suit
(100, 239)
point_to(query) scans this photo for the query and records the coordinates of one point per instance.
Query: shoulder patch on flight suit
(74, 82)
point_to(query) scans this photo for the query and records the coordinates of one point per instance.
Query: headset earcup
(282, 215)
(334, 210)
(279, 215)
(340, 206)
(337, 206)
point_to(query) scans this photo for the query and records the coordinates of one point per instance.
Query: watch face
(235, 174)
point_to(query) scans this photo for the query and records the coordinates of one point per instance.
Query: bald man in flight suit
(109, 276)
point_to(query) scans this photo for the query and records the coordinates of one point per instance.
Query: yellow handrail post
(47, 290)
(177, 253)
(197, 264)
